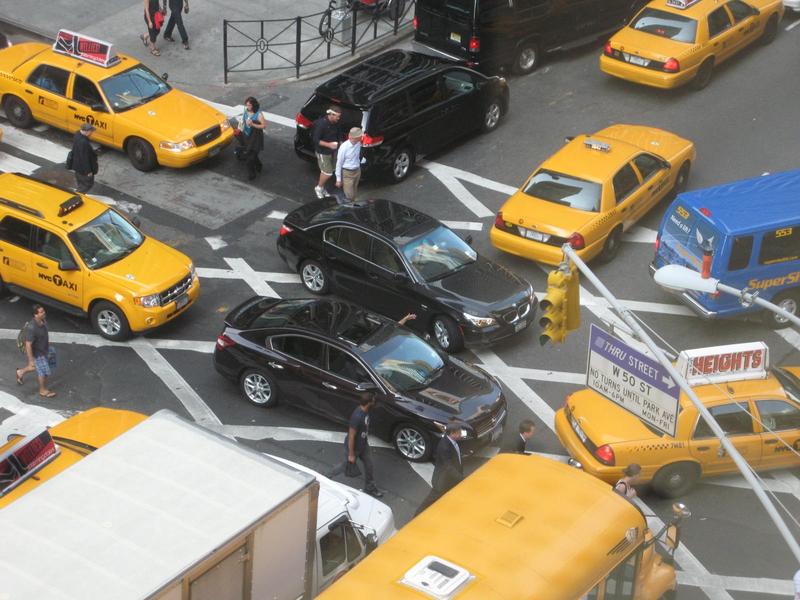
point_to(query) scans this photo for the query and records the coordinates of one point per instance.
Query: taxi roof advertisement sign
(719, 364)
(633, 381)
(84, 47)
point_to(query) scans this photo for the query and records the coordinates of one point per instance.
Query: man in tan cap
(348, 164)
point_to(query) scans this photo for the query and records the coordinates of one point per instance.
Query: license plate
(534, 235)
(520, 326)
(456, 37)
(496, 434)
(636, 60)
(213, 151)
(577, 429)
(181, 301)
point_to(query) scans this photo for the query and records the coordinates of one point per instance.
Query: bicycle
(326, 28)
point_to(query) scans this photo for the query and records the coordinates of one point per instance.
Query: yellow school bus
(521, 528)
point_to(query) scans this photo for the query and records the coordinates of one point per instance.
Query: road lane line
(465, 225)
(461, 193)
(35, 145)
(642, 235)
(12, 164)
(793, 25)
(277, 214)
(26, 418)
(455, 173)
(756, 585)
(216, 242)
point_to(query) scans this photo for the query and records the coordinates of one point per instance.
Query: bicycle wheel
(326, 26)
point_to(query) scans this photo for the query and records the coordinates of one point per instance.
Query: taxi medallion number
(181, 301)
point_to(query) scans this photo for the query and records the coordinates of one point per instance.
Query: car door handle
(42, 265)
(372, 275)
(772, 441)
(703, 448)
(275, 365)
(71, 107)
(649, 187)
(330, 386)
(29, 92)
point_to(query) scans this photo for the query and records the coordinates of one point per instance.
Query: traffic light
(561, 306)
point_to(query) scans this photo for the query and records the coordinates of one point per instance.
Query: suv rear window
(566, 190)
(666, 24)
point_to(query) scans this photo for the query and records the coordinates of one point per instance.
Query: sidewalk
(200, 69)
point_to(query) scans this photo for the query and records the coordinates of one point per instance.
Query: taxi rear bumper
(538, 251)
(580, 453)
(645, 76)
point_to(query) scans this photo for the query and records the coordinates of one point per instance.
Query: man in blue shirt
(348, 164)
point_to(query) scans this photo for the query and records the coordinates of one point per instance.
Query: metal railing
(300, 43)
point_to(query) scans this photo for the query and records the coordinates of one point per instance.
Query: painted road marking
(257, 280)
(216, 242)
(12, 164)
(25, 418)
(793, 25)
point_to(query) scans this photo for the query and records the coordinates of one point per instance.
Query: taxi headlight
(225, 125)
(151, 301)
(479, 321)
(177, 146)
(192, 271)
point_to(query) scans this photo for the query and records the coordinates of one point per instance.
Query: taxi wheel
(528, 58)
(447, 334)
(611, 247)
(110, 322)
(18, 112)
(412, 443)
(788, 301)
(770, 31)
(492, 115)
(676, 479)
(703, 76)
(141, 154)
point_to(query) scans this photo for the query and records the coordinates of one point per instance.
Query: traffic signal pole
(738, 459)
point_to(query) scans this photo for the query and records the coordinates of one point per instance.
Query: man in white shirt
(348, 164)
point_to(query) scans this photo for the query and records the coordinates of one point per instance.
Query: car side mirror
(468, 239)
(400, 276)
(137, 222)
(67, 265)
(568, 139)
(99, 107)
(366, 386)
(165, 76)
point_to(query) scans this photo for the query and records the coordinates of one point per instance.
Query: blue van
(752, 228)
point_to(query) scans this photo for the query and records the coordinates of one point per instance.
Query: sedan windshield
(791, 384)
(437, 253)
(134, 87)
(666, 24)
(105, 240)
(404, 361)
(566, 190)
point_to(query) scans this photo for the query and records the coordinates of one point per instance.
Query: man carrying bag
(356, 446)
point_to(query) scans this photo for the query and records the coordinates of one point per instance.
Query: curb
(26, 29)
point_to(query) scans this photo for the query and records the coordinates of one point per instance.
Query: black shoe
(374, 492)
(169, 38)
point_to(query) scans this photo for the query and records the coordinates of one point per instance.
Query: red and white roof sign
(718, 364)
(85, 48)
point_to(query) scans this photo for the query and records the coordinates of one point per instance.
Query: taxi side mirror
(99, 107)
(165, 76)
(67, 265)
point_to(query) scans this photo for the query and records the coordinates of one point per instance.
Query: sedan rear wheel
(703, 76)
(314, 277)
(259, 388)
(492, 114)
(412, 442)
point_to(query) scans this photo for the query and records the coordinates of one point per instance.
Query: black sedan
(396, 260)
(323, 355)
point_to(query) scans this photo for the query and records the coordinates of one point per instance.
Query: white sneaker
(320, 192)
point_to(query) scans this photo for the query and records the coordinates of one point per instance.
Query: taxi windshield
(402, 360)
(134, 87)
(666, 24)
(106, 239)
(438, 253)
(566, 190)
(790, 383)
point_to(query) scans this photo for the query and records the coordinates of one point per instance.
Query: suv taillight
(415, 22)
(223, 341)
(369, 141)
(284, 230)
(303, 121)
(474, 44)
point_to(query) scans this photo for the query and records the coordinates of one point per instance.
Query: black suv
(395, 260)
(408, 105)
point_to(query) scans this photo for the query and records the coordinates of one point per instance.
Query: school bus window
(778, 415)
(780, 246)
(740, 252)
(733, 418)
(621, 582)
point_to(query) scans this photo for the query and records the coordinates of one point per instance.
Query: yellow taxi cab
(28, 461)
(592, 190)
(757, 408)
(73, 252)
(674, 42)
(79, 81)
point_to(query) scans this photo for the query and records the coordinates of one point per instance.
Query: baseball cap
(88, 127)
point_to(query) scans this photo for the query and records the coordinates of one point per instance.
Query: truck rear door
(446, 25)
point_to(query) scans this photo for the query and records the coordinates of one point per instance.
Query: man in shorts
(326, 135)
(37, 348)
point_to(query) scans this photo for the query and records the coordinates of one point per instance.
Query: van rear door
(446, 25)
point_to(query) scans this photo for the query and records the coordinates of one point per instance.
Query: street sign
(734, 362)
(632, 380)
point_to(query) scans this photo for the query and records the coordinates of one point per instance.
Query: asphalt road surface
(743, 124)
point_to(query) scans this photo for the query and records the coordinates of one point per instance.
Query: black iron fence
(301, 43)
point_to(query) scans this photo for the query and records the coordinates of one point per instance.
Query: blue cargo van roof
(773, 199)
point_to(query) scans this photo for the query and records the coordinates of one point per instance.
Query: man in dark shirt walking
(37, 348)
(84, 158)
(326, 135)
(526, 430)
(356, 445)
(176, 18)
(448, 470)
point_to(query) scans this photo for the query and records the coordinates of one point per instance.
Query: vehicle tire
(412, 443)
(110, 322)
(528, 58)
(676, 479)
(789, 301)
(770, 31)
(669, 595)
(141, 154)
(682, 180)
(314, 277)
(2, 288)
(447, 334)
(704, 74)
(401, 163)
(492, 115)
(18, 112)
(258, 388)
(611, 247)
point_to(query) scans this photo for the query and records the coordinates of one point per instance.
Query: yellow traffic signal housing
(561, 307)
(573, 299)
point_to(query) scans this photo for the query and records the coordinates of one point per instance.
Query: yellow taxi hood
(13, 57)
(174, 117)
(605, 422)
(648, 45)
(650, 139)
(542, 215)
(152, 268)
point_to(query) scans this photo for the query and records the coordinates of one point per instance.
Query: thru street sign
(632, 380)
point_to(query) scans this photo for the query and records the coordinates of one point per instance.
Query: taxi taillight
(672, 66)
(607, 49)
(474, 44)
(576, 241)
(605, 455)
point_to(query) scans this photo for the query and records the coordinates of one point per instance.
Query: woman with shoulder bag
(154, 18)
(251, 138)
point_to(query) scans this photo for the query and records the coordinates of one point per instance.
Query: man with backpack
(37, 348)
